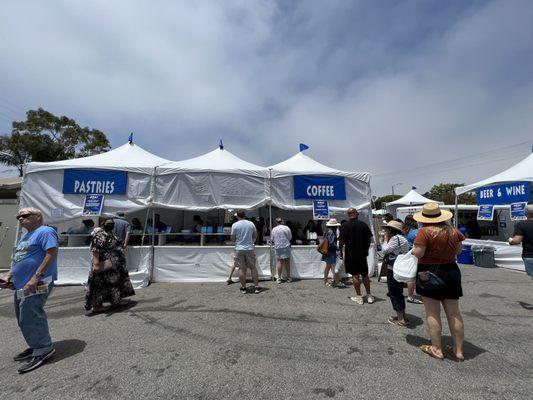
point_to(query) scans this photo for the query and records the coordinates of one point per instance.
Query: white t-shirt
(243, 230)
(281, 236)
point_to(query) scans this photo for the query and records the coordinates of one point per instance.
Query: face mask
(109, 227)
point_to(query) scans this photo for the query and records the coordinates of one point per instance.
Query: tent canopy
(523, 171)
(218, 160)
(410, 199)
(128, 157)
(300, 164)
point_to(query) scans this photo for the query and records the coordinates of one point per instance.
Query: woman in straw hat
(331, 257)
(436, 246)
(394, 244)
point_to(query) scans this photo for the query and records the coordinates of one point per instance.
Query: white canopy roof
(523, 171)
(305, 165)
(218, 160)
(410, 199)
(128, 157)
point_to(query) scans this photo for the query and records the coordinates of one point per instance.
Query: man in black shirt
(523, 233)
(354, 239)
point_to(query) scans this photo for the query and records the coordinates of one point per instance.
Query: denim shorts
(283, 253)
(528, 262)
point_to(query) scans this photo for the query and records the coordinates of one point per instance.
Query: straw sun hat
(395, 225)
(432, 214)
(333, 222)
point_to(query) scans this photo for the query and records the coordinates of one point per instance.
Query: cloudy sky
(414, 92)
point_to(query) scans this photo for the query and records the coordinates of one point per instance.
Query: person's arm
(516, 239)
(126, 240)
(418, 251)
(49, 256)
(254, 236)
(96, 261)
(419, 244)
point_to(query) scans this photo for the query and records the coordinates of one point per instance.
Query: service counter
(191, 263)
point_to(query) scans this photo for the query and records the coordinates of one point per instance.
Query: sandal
(426, 348)
(229, 281)
(451, 352)
(396, 321)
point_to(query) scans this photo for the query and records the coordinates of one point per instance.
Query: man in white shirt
(244, 234)
(281, 237)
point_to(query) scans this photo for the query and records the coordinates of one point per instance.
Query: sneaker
(414, 300)
(357, 299)
(278, 280)
(257, 290)
(289, 279)
(370, 299)
(36, 362)
(243, 290)
(25, 355)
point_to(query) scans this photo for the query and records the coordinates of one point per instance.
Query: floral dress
(112, 283)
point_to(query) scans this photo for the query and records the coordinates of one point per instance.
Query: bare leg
(366, 282)
(255, 276)
(411, 290)
(455, 322)
(356, 279)
(231, 273)
(280, 268)
(242, 276)
(288, 267)
(326, 273)
(432, 307)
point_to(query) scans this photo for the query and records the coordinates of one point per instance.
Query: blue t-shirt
(243, 231)
(30, 254)
(411, 235)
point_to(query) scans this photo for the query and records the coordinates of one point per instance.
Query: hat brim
(337, 224)
(445, 215)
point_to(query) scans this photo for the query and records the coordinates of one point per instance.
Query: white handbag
(405, 266)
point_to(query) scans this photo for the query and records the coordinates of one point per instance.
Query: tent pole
(270, 220)
(456, 212)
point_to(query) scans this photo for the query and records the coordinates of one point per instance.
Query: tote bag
(405, 266)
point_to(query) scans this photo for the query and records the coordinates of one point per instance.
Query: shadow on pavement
(526, 306)
(471, 351)
(67, 348)
(414, 321)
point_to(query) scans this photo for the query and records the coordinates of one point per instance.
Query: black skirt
(451, 276)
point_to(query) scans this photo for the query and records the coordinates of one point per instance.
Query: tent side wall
(208, 190)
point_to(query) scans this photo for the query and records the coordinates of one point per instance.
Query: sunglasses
(19, 217)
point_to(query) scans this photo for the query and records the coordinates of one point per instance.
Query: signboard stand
(92, 206)
(485, 213)
(320, 210)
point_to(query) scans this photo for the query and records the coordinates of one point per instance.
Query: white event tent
(505, 256)
(412, 198)
(42, 188)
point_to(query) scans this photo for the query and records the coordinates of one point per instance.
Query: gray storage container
(483, 256)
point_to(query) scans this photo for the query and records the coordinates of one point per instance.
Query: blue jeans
(395, 292)
(528, 262)
(32, 322)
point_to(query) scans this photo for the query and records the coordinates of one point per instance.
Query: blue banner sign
(87, 181)
(518, 211)
(485, 213)
(506, 193)
(320, 209)
(93, 205)
(310, 187)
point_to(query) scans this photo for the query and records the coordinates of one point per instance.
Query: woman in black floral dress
(109, 281)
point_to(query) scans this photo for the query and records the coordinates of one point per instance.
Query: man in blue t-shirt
(33, 271)
(244, 234)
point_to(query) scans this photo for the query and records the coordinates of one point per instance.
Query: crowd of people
(427, 234)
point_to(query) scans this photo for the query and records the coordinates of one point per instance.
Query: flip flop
(396, 321)
(426, 348)
(450, 351)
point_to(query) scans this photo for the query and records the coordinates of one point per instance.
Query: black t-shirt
(356, 235)
(525, 229)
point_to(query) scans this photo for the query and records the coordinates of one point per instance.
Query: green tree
(46, 137)
(379, 202)
(445, 192)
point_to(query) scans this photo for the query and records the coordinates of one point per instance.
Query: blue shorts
(283, 253)
(528, 262)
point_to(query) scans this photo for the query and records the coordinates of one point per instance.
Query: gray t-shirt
(243, 230)
(122, 227)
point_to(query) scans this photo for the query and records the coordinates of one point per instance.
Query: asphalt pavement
(297, 340)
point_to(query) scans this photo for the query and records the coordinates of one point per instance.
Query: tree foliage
(46, 137)
(446, 192)
(379, 202)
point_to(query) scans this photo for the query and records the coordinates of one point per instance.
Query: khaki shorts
(245, 259)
